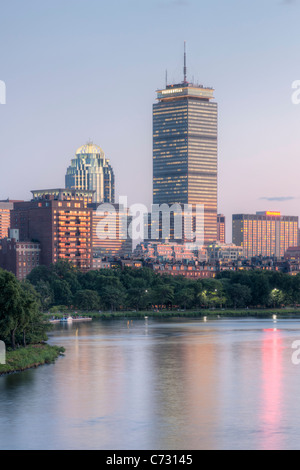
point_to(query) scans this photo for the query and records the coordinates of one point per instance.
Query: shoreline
(209, 313)
(30, 357)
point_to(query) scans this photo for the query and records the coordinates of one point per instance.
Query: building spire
(184, 64)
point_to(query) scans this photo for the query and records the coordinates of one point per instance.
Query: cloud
(288, 2)
(278, 198)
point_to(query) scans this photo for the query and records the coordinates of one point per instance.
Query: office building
(61, 222)
(221, 236)
(185, 125)
(264, 233)
(90, 170)
(5, 208)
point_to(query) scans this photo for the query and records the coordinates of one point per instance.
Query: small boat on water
(68, 319)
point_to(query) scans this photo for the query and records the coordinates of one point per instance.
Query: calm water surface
(159, 385)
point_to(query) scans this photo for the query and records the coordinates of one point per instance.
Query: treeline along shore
(62, 287)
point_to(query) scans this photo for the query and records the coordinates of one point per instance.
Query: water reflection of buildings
(272, 397)
(86, 394)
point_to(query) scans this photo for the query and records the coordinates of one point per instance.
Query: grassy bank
(29, 357)
(195, 313)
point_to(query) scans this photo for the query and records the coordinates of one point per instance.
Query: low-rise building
(224, 251)
(19, 257)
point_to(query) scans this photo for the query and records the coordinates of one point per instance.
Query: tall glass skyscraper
(90, 170)
(185, 154)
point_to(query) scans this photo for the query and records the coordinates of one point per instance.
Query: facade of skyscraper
(90, 170)
(265, 234)
(185, 154)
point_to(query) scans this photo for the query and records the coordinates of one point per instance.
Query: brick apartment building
(60, 221)
(19, 257)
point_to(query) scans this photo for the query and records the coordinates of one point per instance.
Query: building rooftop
(90, 149)
(185, 89)
(61, 194)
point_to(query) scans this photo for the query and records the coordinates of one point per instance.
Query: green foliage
(87, 300)
(138, 289)
(20, 317)
(32, 356)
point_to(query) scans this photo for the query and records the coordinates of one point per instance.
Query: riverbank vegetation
(120, 290)
(22, 326)
(27, 358)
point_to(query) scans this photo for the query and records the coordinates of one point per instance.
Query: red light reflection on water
(271, 388)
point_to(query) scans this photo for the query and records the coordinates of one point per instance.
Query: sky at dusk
(88, 70)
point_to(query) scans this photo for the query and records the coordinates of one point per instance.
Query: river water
(159, 385)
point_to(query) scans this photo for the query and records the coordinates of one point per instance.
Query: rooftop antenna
(184, 64)
(166, 78)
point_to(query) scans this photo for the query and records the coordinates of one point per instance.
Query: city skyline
(50, 109)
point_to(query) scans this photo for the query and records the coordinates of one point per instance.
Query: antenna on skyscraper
(184, 64)
(166, 78)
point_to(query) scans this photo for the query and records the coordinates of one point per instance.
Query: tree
(211, 293)
(32, 322)
(137, 297)
(46, 294)
(260, 289)
(239, 295)
(185, 297)
(62, 292)
(39, 274)
(163, 294)
(87, 300)
(276, 297)
(113, 297)
(11, 307)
